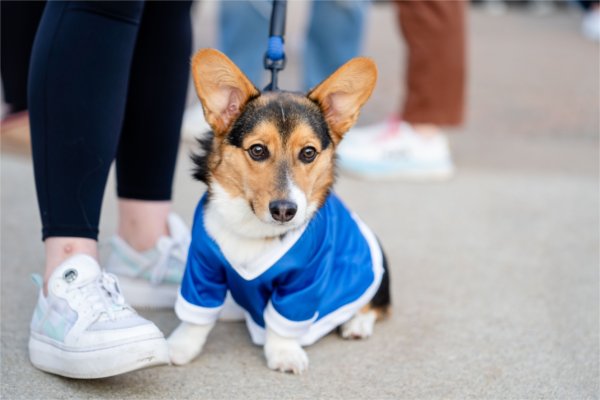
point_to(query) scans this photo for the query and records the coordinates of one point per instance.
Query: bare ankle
(59, 249)
(142, 223)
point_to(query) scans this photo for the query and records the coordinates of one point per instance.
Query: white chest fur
(248, 244)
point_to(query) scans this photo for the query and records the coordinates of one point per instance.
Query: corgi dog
(269, 230)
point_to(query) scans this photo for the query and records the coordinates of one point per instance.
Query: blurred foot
(84, 329)
(151, 279)
(396, 150)
(194, 125)
(15, 133)
(590, 26)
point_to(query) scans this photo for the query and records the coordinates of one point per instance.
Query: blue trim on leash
(275, 50)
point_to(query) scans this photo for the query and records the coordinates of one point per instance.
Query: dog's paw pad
(290, 359)
(359, 327)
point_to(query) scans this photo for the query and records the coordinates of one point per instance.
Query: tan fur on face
(315, 178)
(260, 182)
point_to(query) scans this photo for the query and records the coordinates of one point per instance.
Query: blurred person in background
(411, 144)
(590, 25)
(334, 35)
(18, 23)
(107, 81)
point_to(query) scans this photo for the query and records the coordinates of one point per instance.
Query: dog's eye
(308, 154)
(258, 152)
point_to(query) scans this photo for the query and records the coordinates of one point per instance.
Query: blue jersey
(315, 280)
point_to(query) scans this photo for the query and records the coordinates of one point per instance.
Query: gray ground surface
(495, 274)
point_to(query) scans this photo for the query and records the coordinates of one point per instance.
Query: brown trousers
(435, 36)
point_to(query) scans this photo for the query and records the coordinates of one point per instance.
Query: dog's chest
(250, 257)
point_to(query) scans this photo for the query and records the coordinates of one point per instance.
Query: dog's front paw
(186, 342)
(287, 359)
(359, 327)
(285, 355)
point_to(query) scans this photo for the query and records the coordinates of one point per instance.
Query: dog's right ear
(222, 88)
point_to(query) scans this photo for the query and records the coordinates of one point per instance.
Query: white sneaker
(590, 26)
(83, 328)
(151, 279)
(392, 150)
(194, 125)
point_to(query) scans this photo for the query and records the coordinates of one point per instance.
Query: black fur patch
(382, 298)
(200, 160)
(286, 110)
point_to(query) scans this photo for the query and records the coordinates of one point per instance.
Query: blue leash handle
(275, 50)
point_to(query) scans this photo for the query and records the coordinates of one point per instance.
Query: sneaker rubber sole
(100, 363)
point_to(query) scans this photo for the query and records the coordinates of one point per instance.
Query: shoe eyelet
(70, 275)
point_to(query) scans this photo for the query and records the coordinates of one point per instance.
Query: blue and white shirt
(315, 281)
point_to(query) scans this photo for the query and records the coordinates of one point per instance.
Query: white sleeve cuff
(194, 314)
(285, 327)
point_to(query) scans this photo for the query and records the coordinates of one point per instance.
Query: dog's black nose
(283, 210)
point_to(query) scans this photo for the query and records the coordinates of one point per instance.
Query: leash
(275, 56)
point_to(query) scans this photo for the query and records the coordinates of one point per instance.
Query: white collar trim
(254, 268)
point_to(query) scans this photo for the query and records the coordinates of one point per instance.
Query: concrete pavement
(495, 273)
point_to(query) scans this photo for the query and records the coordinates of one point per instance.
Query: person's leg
(334, 36)
(587, 4)
(435, 35)
(149, 142)
(412, 146)
(81, 326)
(77, 89)
(19, 22)
(243, 33)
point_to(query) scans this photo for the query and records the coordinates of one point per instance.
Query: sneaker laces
(169, 247)
(103, 295)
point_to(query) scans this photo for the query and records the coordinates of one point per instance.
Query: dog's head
(270, 160)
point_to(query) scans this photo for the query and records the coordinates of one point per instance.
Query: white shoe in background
(151, 279)
(84, 329)
(393, 150)
(590, 26)
(194, 125)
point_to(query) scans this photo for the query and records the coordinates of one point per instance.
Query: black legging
(107, 79)
(18, 23)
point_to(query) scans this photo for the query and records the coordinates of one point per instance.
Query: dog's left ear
(222, 88)
(343, 94)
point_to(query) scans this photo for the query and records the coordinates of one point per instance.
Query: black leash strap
(275, 55)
